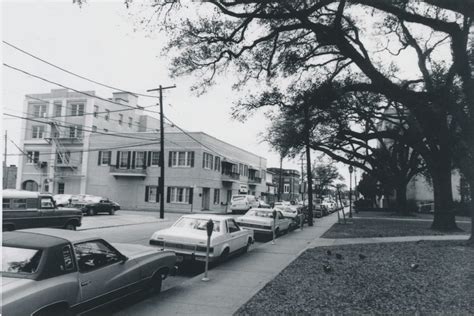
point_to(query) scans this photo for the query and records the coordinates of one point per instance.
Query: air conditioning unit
(42, 164)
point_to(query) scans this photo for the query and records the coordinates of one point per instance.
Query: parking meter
(209, 229)
(274, 214)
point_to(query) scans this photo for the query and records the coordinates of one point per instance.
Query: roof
(214, 217)
(21, 194)
(46, 237)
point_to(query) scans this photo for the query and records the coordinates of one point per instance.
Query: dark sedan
(96, 205)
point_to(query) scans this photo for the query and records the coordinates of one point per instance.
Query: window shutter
(191, 195)
(203, 160)
(146, 193)
(212, 162)
(192, 158)
(134, 154)
(100, 157)
(168, 195)
(169, 158)
(117, 164)
(148, 161)
(110, 158)
(145, 160)
(129, 158)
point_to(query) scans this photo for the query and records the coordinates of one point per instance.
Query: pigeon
(362, 257)
(339, 256)
(327, 268)
(414, 266)
(328, 252)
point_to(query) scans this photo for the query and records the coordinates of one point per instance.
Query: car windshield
(195, 223)
(260, 213)
(20, 260)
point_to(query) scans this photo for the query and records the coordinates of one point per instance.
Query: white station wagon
(188, 237)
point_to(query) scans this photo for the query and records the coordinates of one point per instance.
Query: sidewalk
(233, 283)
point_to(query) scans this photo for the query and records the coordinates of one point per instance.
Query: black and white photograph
(237, 157)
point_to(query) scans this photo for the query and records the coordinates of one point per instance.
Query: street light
(351, 169)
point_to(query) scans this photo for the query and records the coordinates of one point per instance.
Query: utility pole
(303, 188)
(161, 180)
(280, 179)
(5, 175)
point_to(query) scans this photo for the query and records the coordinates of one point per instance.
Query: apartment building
(290, 183)
(59, 128)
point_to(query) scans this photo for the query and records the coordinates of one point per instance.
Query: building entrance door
(206, 198)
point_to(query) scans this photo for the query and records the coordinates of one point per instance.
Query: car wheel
(112, 211)
(90, 212)
(224, 255)
(70, 226)
(277, 232)
(8, 228)
(249, 242)
(55, 310)
(155, 284)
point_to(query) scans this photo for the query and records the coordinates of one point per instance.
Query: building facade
(9, 176)
(290, 183)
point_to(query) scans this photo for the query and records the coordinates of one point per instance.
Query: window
(123, 159)
(181, 159)
(151, 194)
(5, 204)
(120, 120)
(286, 188)
(107, 114)
(37, 131)
(246, 170)
(217, 163)
(67, 259)
(77, 109)
(63, 158)
(94, 128)
(241, 169)
(95, 254)
(20, 260)
(140, 159)
(57, 109)
(96, 110)
(232, 226)
(75, 131)
(32, 157)
(105, 158)
(155, 158)
(130, 122)
(61, 188)
(39, 110)
(179, 195)
(47, 203)
(207, 161)
(217, 196)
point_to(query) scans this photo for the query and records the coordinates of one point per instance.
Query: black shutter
(110, 158)
(134, 154)
(117, 164)
(160, 163)
(169, 158)
(203, 160)
(100, 157)
(192, 158)
(212, 162)
(168, 196)
(190, 195)
(146, 193)
(148, 161)
(129, 158)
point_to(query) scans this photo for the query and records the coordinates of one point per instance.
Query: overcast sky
(99, 41)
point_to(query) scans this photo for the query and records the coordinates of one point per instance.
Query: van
(27, 209)
(243, 203)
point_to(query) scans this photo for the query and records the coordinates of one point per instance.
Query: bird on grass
(339, 256)
(362, 257)
(327, 268)
(414, 266)
(328, 252)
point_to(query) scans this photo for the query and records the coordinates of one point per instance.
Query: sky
(100, 41)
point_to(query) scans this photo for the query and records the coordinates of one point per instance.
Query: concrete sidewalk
(233, 283)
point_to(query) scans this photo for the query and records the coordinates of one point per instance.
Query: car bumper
(184, 255)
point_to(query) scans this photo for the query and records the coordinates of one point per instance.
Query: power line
(75, 90)
(74, 74)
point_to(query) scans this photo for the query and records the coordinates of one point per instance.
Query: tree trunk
(471, 190)
(401, 197)
(444, 218)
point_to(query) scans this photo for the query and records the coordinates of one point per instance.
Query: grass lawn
(384, 283)
(388, 228)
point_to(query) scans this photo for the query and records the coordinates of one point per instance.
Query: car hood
(255, 220)
(133, 250)
(183, 235)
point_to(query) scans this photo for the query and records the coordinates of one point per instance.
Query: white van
(242, 203)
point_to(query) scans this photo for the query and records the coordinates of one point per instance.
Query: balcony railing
(255, 180)
(118, 172)
(230, 176)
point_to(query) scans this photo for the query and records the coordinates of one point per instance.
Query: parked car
(290, 213)
(93, 205)
(62, 199)
(329, 204)
(242, 203)
(260, 220)
(27, 209)
(57, 272)
(188, 237)
(262, 204)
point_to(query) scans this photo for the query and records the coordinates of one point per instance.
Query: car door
(48, 215)
(237, 235)
(283, 223)
(104, 273)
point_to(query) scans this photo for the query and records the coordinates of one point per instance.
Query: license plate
(179, 258)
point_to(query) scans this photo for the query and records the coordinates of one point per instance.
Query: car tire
(70, 226)
(155, 283)
(246, 248)
(224, 255)
(112, 211)
(8, 228)
(90, 212)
